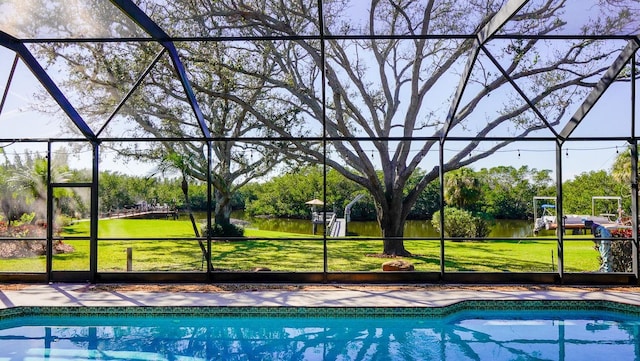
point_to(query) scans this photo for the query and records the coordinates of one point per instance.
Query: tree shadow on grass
(306, 256)
(281, 255)
(495, 256)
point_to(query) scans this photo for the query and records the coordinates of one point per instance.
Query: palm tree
(32, 178)
(621, 168)
(462, 188)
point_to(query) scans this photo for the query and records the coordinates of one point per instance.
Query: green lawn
(527, 255)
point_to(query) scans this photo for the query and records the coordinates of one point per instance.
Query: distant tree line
(502, 192)
(499, 192)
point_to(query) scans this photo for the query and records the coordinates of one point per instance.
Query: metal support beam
(635, 255)
(559, 212)
(209, 208)
(133, 89)
(488, 30)
(9, 79)
(441, 206)
(503, 15)
(607, 79)
(634, 209)
(519, 90)
(148, 25)
(94, 210)
(50, 217)
(464, 79)
(40, 73)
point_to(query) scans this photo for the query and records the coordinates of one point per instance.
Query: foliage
(64, 220)
(285, 195)
(161, 108)
(428, 201)
(621, 167)
(24, 185)
(459, 223)
(26, 218)
(18, 247)
(462, 188)
(223, 230)
(377, 87)
(12, 204)
(117, 191)
(482, 226)
(507, 192)
(198, 196)
(22, 230)
(577, 193)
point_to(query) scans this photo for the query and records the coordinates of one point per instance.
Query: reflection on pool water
(468, 335)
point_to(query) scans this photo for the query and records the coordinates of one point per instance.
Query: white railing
(322, 217)
(332, 223)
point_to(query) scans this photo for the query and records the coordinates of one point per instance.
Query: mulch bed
(29, 248)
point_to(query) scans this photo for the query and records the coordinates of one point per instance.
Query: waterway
(413, 228)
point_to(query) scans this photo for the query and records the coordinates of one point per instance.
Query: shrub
(482, 227)
(223, 230)
(64, 220)
(459, 223)
(27, 218)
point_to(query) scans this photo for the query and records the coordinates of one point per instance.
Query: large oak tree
(132, 90)
(385, 83)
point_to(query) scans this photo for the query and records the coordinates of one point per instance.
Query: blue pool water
(467, 335)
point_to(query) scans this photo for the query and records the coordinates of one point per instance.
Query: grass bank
(168, 245)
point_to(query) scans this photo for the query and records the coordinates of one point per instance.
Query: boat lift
(611, 216)
(548, 216)
(548, 219)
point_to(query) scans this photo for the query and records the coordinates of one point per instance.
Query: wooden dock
(576, 223)
(155, 213)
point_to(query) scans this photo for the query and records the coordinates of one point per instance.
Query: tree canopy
(155, 104)
(391, 88)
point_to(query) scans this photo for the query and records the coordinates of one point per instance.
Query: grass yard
(156, 253)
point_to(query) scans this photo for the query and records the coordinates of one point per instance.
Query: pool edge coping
(324, 311)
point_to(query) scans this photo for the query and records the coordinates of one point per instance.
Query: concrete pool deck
(296, 295)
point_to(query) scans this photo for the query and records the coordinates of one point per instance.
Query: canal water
(413, 228)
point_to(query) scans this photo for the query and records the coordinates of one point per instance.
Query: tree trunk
(392, 226)
(222, 211)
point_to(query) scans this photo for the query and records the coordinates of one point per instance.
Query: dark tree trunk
(222, 211)
(391, 223)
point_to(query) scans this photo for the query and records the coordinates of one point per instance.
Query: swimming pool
(474, 330)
